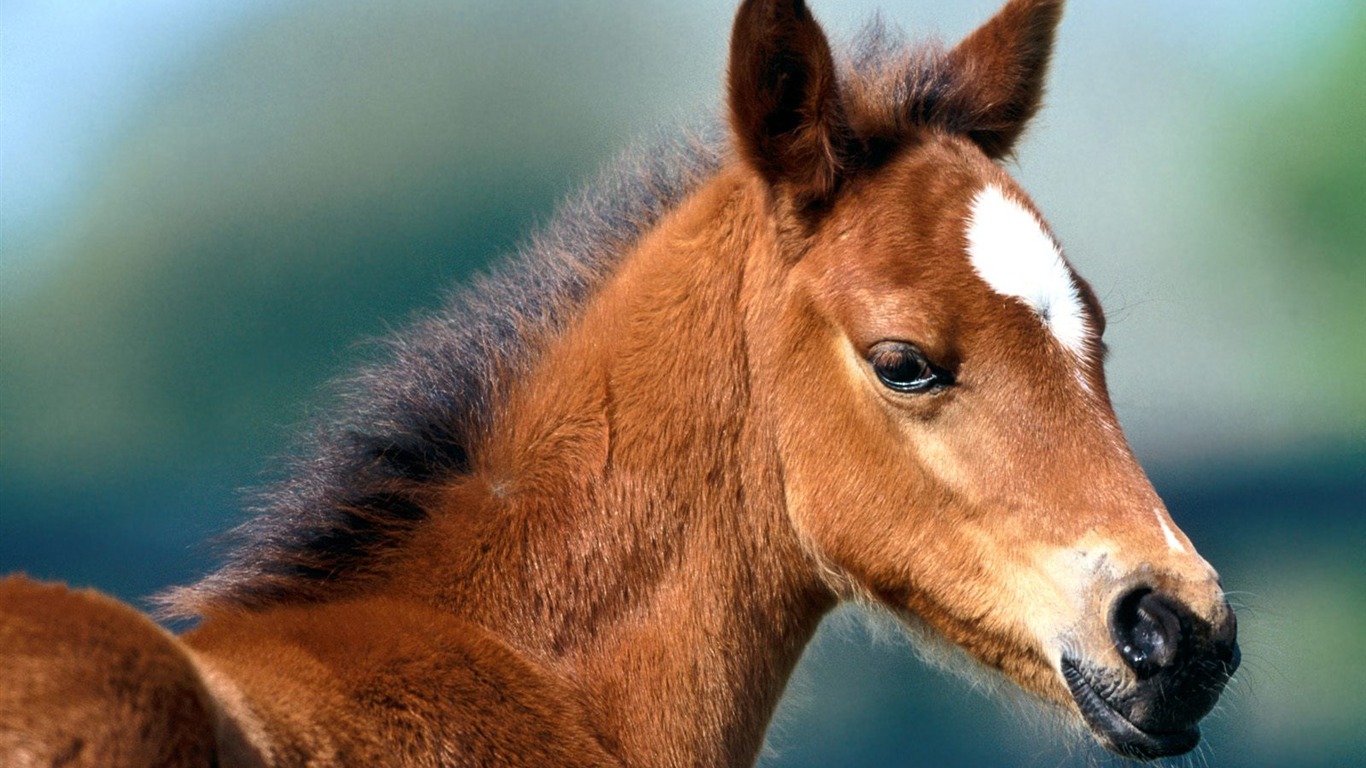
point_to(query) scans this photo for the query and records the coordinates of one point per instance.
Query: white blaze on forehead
(1011, 251)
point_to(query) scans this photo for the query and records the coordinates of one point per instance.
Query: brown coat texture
(592, 512)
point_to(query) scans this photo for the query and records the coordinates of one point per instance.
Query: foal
(592, 513)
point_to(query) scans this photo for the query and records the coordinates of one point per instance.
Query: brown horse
(592, 512)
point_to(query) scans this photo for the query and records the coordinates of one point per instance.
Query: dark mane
(415, 417)
(353, 488)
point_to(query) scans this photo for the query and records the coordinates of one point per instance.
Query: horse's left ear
(785, 107)
(1002, 66)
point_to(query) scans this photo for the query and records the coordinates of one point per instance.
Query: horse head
(935, 372)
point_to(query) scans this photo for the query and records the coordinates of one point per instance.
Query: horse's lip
(1114, 730)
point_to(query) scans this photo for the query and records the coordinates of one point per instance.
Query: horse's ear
(1002, 65)
(785, 106)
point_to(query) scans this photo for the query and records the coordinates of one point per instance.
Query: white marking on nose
(1167, 533)
(1011, 251)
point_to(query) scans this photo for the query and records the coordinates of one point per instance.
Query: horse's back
(387, 681)
(88, 681)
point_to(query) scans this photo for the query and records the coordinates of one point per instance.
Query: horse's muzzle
(1175, 666)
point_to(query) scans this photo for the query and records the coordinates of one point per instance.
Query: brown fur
(611, 545)
(87, 681)
(784, 105)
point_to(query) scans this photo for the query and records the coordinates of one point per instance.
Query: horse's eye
(903, 368)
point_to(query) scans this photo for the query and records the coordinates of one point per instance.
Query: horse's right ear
(785, 107)
(1003, 65)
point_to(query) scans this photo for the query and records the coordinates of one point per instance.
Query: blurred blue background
(205, 207)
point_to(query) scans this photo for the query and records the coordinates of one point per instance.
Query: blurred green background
(205, 208)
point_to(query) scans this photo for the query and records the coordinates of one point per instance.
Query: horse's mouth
(1115, 731)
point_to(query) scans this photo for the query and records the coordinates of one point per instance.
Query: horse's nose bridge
(1142, 531)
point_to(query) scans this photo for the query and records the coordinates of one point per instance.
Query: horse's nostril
(1147, 631)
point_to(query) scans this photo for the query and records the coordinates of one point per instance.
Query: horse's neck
(636, 499)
